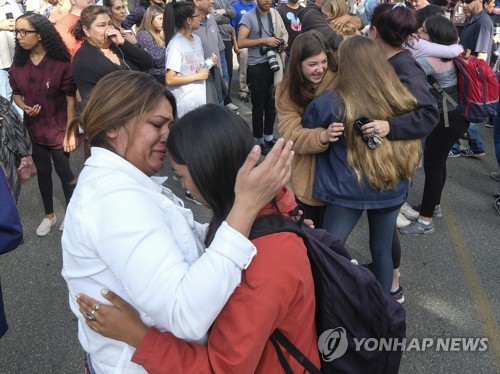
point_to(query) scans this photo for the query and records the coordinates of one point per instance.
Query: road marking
(479, 297)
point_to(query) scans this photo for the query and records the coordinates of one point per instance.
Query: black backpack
(350, 304)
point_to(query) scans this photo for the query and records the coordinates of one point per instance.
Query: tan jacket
(306, 141)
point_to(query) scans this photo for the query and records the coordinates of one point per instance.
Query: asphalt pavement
(451, 278)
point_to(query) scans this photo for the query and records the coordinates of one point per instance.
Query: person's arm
(424, 48)
(483, 43)
(416, 124)
(69, 143)
(235, 345)
(306, 141)
(134, 18)
(314, 20)
(224, 13)
(173, 79)
(339, 22)
(137, 56)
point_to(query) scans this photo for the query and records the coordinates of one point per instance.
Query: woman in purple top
(43, 87)
(152, 40)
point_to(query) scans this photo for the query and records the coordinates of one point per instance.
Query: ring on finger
(96, 306)
(91, 316)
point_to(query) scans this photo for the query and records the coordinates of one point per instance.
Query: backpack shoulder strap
(273, 224)
(279, 337)
(446, 98)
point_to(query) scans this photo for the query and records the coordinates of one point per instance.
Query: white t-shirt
(186, 58)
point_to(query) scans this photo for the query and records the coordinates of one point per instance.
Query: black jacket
(419, 123)
(312, 18)
(90, 65)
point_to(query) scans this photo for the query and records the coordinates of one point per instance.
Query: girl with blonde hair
(361, 172)
(152, 39)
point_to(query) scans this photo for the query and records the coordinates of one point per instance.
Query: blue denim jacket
(335, 181)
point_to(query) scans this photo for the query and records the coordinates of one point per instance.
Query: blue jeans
(496, 134)
(475, 142)
(340, 221)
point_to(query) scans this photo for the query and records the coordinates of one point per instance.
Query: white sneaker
(45, 226)
(61, 228)
(231, 106)
(409, 212)
(402, 221)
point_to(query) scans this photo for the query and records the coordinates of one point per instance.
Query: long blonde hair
(369, 87)
(147, 24)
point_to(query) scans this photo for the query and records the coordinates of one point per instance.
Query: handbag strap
(279, 337)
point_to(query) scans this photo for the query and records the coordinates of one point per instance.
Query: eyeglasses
(468, 1)
(23, 32)
(195, 16)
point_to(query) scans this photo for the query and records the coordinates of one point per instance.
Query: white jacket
(125, 232)
(7, 38)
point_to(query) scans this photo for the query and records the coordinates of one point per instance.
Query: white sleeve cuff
(231, 244)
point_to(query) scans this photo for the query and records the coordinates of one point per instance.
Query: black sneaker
(471, 153)
(265, 148)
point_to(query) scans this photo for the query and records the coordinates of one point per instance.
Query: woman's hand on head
(332, 133)
(382, 128)
(119, 321)
(258, 185)
(339, 22)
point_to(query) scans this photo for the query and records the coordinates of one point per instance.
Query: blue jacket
(11, 234)
(335, 181)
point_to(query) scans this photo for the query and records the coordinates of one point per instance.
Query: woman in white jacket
(125, 232)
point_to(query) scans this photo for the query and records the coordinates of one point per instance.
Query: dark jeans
(340, 221)
(436, 149)
(42, 159)
(228, 52)
(496, 134)
(261, 82)
(475, 142)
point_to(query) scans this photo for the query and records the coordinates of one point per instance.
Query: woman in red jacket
(207, 147)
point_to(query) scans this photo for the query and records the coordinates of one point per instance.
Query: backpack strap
(279, 337)
(446, 98)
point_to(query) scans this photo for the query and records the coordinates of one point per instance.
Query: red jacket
(276, 291)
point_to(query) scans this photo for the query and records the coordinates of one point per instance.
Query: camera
(267, 51)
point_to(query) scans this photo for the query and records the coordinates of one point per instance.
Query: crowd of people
(356, 91)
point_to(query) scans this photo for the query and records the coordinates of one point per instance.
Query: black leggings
(41, 157)
(228, 53)
(437, 146)
(261, 81)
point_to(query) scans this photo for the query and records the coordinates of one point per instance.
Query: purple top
(134, 18)
(46, 84)
(148, 43)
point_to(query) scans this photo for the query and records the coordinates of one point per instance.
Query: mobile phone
(127, 32)
(9, 15)
(368, 140)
